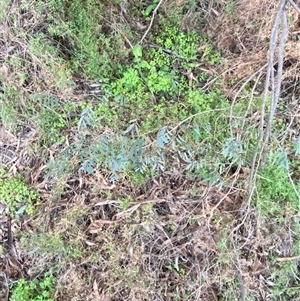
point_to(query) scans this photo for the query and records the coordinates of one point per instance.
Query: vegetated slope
(128, 132)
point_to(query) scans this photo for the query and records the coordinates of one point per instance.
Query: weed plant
(17, 195)
(154, 80)
(34, 290)
(148, 111)
(286, 285)
(276, 192)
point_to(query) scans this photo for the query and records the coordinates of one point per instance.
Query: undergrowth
(17, 195)
(154, 79)
(111, 110)
(35, 290)
(286, 285)
(276, 191)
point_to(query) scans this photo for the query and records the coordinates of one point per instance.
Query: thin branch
(241, 281)
(194, 115)
(251, 99)
(173, 129)
(218, 76)
(121, 33)
(270, 71)
(295, 6)
(294, 186)
(152, 20)
(284, 36)
(263, 139)
(239, 92)
(282, 259)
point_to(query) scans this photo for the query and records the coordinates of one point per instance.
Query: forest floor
(140, 156)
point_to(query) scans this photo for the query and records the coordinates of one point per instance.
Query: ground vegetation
(149, 150)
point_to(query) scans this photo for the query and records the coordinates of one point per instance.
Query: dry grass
(243, 36)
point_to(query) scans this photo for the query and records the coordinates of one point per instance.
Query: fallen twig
(152, 20)
(294, 6)
(264, 135)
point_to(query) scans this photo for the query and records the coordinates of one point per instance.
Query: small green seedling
(17, 195)
(36, 290)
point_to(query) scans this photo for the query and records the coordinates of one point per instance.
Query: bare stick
(152, 20)
(251, 99)
(282, 259)
(295, 6)
(239, 92)
(261, 147)
(284, 36)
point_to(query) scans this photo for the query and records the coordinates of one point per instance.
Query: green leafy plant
(230, 7)
(125, 202)
(210, 55)
(8, 110)
(83, 32)
(286, 285)
(175, 266)
(183, 46)
(150, 8)
(275, 191)
(52, 116)
(49, 55)
(35, 290)
(137, 52)
(18, 196)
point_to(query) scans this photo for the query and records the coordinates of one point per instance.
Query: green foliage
(150, 79)
(154, 74)
(130, 276)
(119, 153)
(106, 114)
(232, 150)
(51, 118)
(230, 7)
(87, 118)
(52, 246)
(3, 7)
(153, 82)
(174, 266)
(83, 34)
(18, 196)
(210, 55)
(158, 80)
(51, 60)
(150, 8)
(286, 283)
(200, 101)
(137, 177)
(8, 110)
(276, 193)
(35, 290)
(137, 52)
(125, 202)
(182, 46)
(148, 111)
(129, 89)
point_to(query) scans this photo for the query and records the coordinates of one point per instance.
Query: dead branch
(276, 93)
(152, 20)
(270, 77)
(294, 6)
